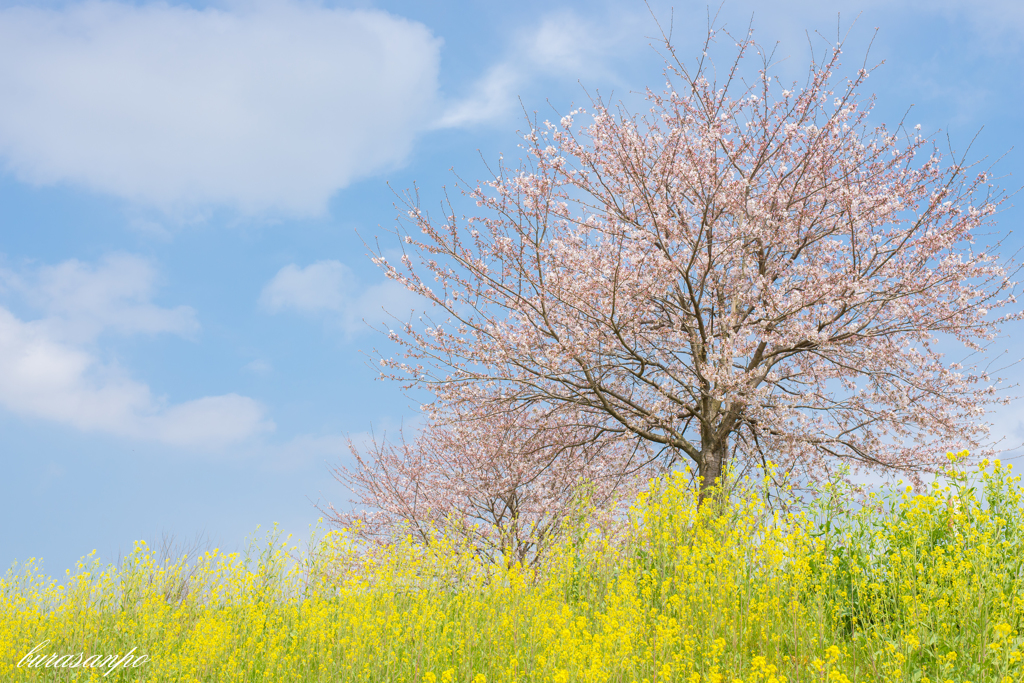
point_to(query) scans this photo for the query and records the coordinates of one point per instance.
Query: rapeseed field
(924, 588)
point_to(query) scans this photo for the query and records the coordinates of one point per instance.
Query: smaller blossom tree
(749, 272)
(505, 482)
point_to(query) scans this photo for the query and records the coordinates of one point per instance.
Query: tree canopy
(746, 272)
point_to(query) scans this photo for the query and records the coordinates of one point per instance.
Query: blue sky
(185, 191)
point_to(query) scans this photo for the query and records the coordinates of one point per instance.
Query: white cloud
(568, 44)
(271, 106)
(562, 45)
(258, 367)
(331, 287)
(80, 300)
(492, 96)
(305, 450)
(211, 419)
(592, 48)
(330, 450)
(321, 286)
(48, 371)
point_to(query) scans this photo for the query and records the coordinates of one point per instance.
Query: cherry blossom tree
(505, 482)
(748, 272)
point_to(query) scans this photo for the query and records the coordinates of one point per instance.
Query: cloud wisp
(330, 288)
(269, 107)
(81, 300)
(49, 370)
(562, 45)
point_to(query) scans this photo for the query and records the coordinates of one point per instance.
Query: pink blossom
(745, 273)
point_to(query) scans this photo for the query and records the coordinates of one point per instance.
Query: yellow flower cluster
(918, 588)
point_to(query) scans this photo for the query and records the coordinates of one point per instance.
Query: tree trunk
(713, 458)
